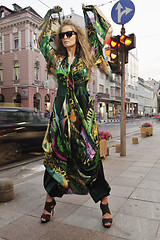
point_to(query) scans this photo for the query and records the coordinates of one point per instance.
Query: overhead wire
(43, 3)
(98, 5)
(106, 3)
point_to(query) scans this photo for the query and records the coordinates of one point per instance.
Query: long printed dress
(71, 143)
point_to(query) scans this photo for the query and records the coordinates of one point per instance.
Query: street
(135, 184)
(132, 128)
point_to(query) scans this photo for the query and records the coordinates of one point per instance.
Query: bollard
(103, 148)
(135, 140)
(143, 134)
(107, 151)
(118, 148)
(6, 190)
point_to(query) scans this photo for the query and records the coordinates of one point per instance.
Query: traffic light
(118, 46)
(129, 42)
(115, 55)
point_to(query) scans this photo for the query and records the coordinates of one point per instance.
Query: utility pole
(123, 112)
(121, 13)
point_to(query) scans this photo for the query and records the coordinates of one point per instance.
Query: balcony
(103, 96)
(106, 96)
(16, 81)
(36, 82)
(118, 98)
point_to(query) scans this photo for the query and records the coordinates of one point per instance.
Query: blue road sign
(123, 11)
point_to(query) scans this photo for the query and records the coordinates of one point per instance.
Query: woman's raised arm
(47, 35)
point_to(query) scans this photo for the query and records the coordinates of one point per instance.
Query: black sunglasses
(68, 34)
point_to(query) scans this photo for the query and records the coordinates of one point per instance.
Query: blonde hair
(82, 48)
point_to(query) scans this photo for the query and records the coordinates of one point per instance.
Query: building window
(1, 73)
(112, 91)
(47, 104)
(16, 41)
(101, 88)
(17, 98)
(36, 71)
(2, 14)
(35, 40)
(2, 99)
(16, 71)
(1, 45)
(46, 74)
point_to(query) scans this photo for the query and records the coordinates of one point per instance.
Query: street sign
(123, 11)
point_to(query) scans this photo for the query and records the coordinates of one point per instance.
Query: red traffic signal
(118, 44)
(114, 54)
(129, 42)
(114, 41)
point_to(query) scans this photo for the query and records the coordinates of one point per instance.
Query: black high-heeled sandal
(49, 207)
(105, 209)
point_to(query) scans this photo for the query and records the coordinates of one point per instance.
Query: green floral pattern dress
(71, 143)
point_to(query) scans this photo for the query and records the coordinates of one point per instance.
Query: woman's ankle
(49, 198)
(104, 200)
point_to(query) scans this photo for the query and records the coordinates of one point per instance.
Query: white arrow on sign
(120, 14)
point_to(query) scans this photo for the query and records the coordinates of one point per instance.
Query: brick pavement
(134, 201)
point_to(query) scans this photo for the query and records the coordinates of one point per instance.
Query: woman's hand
(57, 7)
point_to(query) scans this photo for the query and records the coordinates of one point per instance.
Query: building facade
(155, 85)
(24, 79)
(131, 82)
(23, 75)
(146, 98)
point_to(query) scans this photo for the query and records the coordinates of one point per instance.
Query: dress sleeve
(97, 28)
(47, 35)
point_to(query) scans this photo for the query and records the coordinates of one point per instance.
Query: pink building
(23, 74)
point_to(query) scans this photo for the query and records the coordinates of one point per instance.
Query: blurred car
(137, 115)
(21, 130)
(156, 116)
(129, 115)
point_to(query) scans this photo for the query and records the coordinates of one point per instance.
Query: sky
(144, 24)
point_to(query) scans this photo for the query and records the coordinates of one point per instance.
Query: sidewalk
(134, 201)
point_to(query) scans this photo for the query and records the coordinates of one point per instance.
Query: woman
(71, 144)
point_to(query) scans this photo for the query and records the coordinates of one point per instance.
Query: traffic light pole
(123, 114)
(118, 53)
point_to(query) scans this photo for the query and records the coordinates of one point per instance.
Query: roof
(31, 10)
(6, 8)
(20, 10)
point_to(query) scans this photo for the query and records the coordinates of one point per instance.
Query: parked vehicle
(156, 116)
(137, 115)
(21, 130)
(129, 115)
